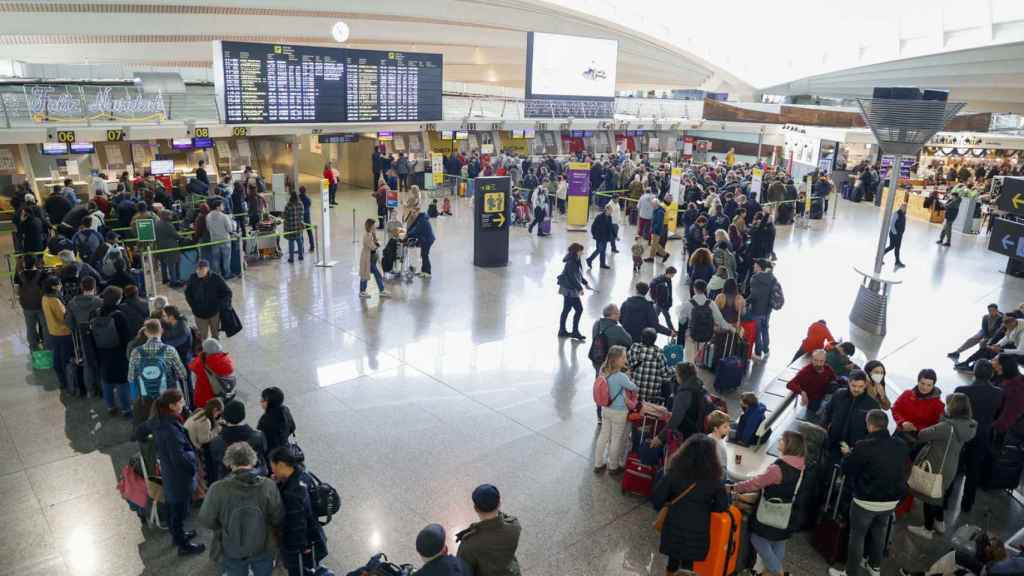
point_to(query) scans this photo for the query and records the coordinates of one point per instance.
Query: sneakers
(599, 469)
(385, 294)
(869, 569)
(836, 572)
(577, 336)
(424, 274)
(364, 295)
(940, 527)
(920, 531)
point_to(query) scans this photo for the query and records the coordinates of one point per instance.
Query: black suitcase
(1005, 470)
(831, 535)
(75, 374)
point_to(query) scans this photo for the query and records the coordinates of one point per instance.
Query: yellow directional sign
(1017, 200)
(500, 219)
(494, 202)
(1011, 199)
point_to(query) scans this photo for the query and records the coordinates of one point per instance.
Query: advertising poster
(688, 146)
(578, 195)
(756, 175)
(437, 166)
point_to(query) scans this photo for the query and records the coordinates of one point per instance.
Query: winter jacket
(219, 363)
(32, 234)
(760, 299)
(489, 547)
(1013, 404)
(228, 436)
(421, 230)
(658, 221)
(136, 312)
(815, 384)
(725, 258)
(293, 217)
(876, 467)
(601, 229)
(952, 209)
(818, 337)
(844, 417)
(686, 533)
(637, 313)
(943, 443)
(571, 279)
(242, 488)
(277, 425)
(986, 403)
(79, 310)
(661, 291)
(178, 462)
(206, 296)
(30, 289)
(613, 331)
(750, 420)
(300, 530)
(200, 430)
(113, 362)
(921, 411)
(688, 409)
(446, 565)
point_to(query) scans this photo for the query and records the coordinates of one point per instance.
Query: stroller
(522, 214)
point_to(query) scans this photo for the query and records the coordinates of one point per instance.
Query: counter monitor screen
(517, 134)
(461, 135)
(181, 144)
(385, 136)
(282, 83)
(202, 143)
(446, 135)
(82, 148)
(160, 167)
(54, 149)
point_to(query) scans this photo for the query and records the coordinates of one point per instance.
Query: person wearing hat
(236, 430)
(489, 546)
(212, 359)
(206, 293)
(430, 545)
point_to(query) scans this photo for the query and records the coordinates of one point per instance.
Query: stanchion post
(10, 274)
(241, 257)
(354, 240)
(152, 272)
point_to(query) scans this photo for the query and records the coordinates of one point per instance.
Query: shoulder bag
(659, 522)
(925, 482)
(776, 512)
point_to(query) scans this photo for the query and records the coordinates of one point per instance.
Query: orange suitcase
(725, 544)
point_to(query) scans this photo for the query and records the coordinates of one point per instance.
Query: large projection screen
(570, 76)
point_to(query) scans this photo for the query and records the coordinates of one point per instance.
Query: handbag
(222, 386)
(42, 360)
(776, 512)
(659, 522)
(925, 482)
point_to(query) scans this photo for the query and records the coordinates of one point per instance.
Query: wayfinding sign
(1007, 238)
(1011, 199)
(492, 213)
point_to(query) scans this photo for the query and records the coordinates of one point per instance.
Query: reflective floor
(406, 404)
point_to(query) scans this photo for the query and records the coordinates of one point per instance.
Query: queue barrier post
(354, 241)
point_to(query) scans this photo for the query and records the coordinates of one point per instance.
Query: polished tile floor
(406, 404)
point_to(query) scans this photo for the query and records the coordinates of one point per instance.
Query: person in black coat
(56, 206)
(235, 430)
(303, 543)
(603, 231)
(206, 293)
(844, 416)
(896, 229)
(637, 313)
(986, 403)
(692, 489)
(178, 465)
(570, 285)
(113, 362)
(277, 423)
(32, 231)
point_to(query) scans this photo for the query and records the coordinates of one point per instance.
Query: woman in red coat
(920, 407)
(217, 360)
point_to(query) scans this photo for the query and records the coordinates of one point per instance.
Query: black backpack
(70, 281)
(323, 499)
(599, 347)
(104, 331)
(702, 322)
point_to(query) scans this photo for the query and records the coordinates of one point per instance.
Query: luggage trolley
(268, 247)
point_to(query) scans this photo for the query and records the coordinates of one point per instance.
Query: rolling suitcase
(638, 478)
(1005, 470)
(730, 369)
(545, 225)
(832, 533)
(724, 548)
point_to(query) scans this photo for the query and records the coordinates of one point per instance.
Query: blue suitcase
(730, 371)
(545, 226)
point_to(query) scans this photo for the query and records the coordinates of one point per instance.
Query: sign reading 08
(201, 132)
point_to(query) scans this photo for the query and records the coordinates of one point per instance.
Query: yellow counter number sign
(66, 136)
(202, 132)
(239, 131)
(115, 135)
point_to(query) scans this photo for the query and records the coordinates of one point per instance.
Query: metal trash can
(872, 303)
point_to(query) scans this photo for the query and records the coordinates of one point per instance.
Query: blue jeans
(772, 552)
(63, 349)
(293, 242)
(170, 270)
(376, 276)
(123, 395)
(602, 246)
(761, 341)
(261, 565)
(220, 259)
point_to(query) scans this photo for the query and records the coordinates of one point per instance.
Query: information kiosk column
(491, 218)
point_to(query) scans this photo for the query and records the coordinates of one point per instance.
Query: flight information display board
(282, 83)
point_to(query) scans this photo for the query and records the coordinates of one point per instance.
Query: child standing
(638, 254)
(718, 429)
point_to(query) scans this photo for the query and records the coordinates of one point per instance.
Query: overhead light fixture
(340, 31)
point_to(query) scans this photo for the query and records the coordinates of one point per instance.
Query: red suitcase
(749, 334)
(637, 477)
(724, 549)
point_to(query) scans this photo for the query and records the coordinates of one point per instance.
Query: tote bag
(923, 480)
(775, 512)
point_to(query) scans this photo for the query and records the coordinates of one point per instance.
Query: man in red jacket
(813, 382)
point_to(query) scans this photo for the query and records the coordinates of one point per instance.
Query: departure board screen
(281, 83)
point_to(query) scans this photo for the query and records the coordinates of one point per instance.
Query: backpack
(222, 386)
(599, 348)
(152, 372)
(108, 267)
(323, 499)
(84, 246)
(778, 299)
(70, 285)
(245, 532)
(601, 394)
(702, 322)
(104, 331)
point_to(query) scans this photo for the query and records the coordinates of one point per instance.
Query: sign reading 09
(239, 131)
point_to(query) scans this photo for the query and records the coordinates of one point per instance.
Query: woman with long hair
(876, 383)
(570, 285)
(613, 416)
(276, 423)
(368, 258)
(701, 267)
(202, 427)
(692, 489)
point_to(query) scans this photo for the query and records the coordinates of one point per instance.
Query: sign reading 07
(115, 135)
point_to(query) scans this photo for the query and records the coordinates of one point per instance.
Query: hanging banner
(756, 176)
(437, 165)
(688, 146)
(578, 193)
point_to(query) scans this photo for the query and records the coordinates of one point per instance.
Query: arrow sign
(1007, 238)
(500, 219)
(1011, 198)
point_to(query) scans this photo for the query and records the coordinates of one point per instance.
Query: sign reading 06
(202, 132)
(115, 135)
(239, 131)
(66, 136)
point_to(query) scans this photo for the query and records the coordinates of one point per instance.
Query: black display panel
(282, 83)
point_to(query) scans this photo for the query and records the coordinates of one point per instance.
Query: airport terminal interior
(479, 143)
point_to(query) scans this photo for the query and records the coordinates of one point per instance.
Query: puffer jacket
(219, 363)
(760, 300)
(921, 411)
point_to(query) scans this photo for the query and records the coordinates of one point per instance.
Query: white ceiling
(483, 41)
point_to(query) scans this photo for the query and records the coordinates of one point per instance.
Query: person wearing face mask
(813, 382)
(920, 407)
(844, 417)
(876, 383)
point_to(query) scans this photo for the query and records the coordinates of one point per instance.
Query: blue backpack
(152, 373)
